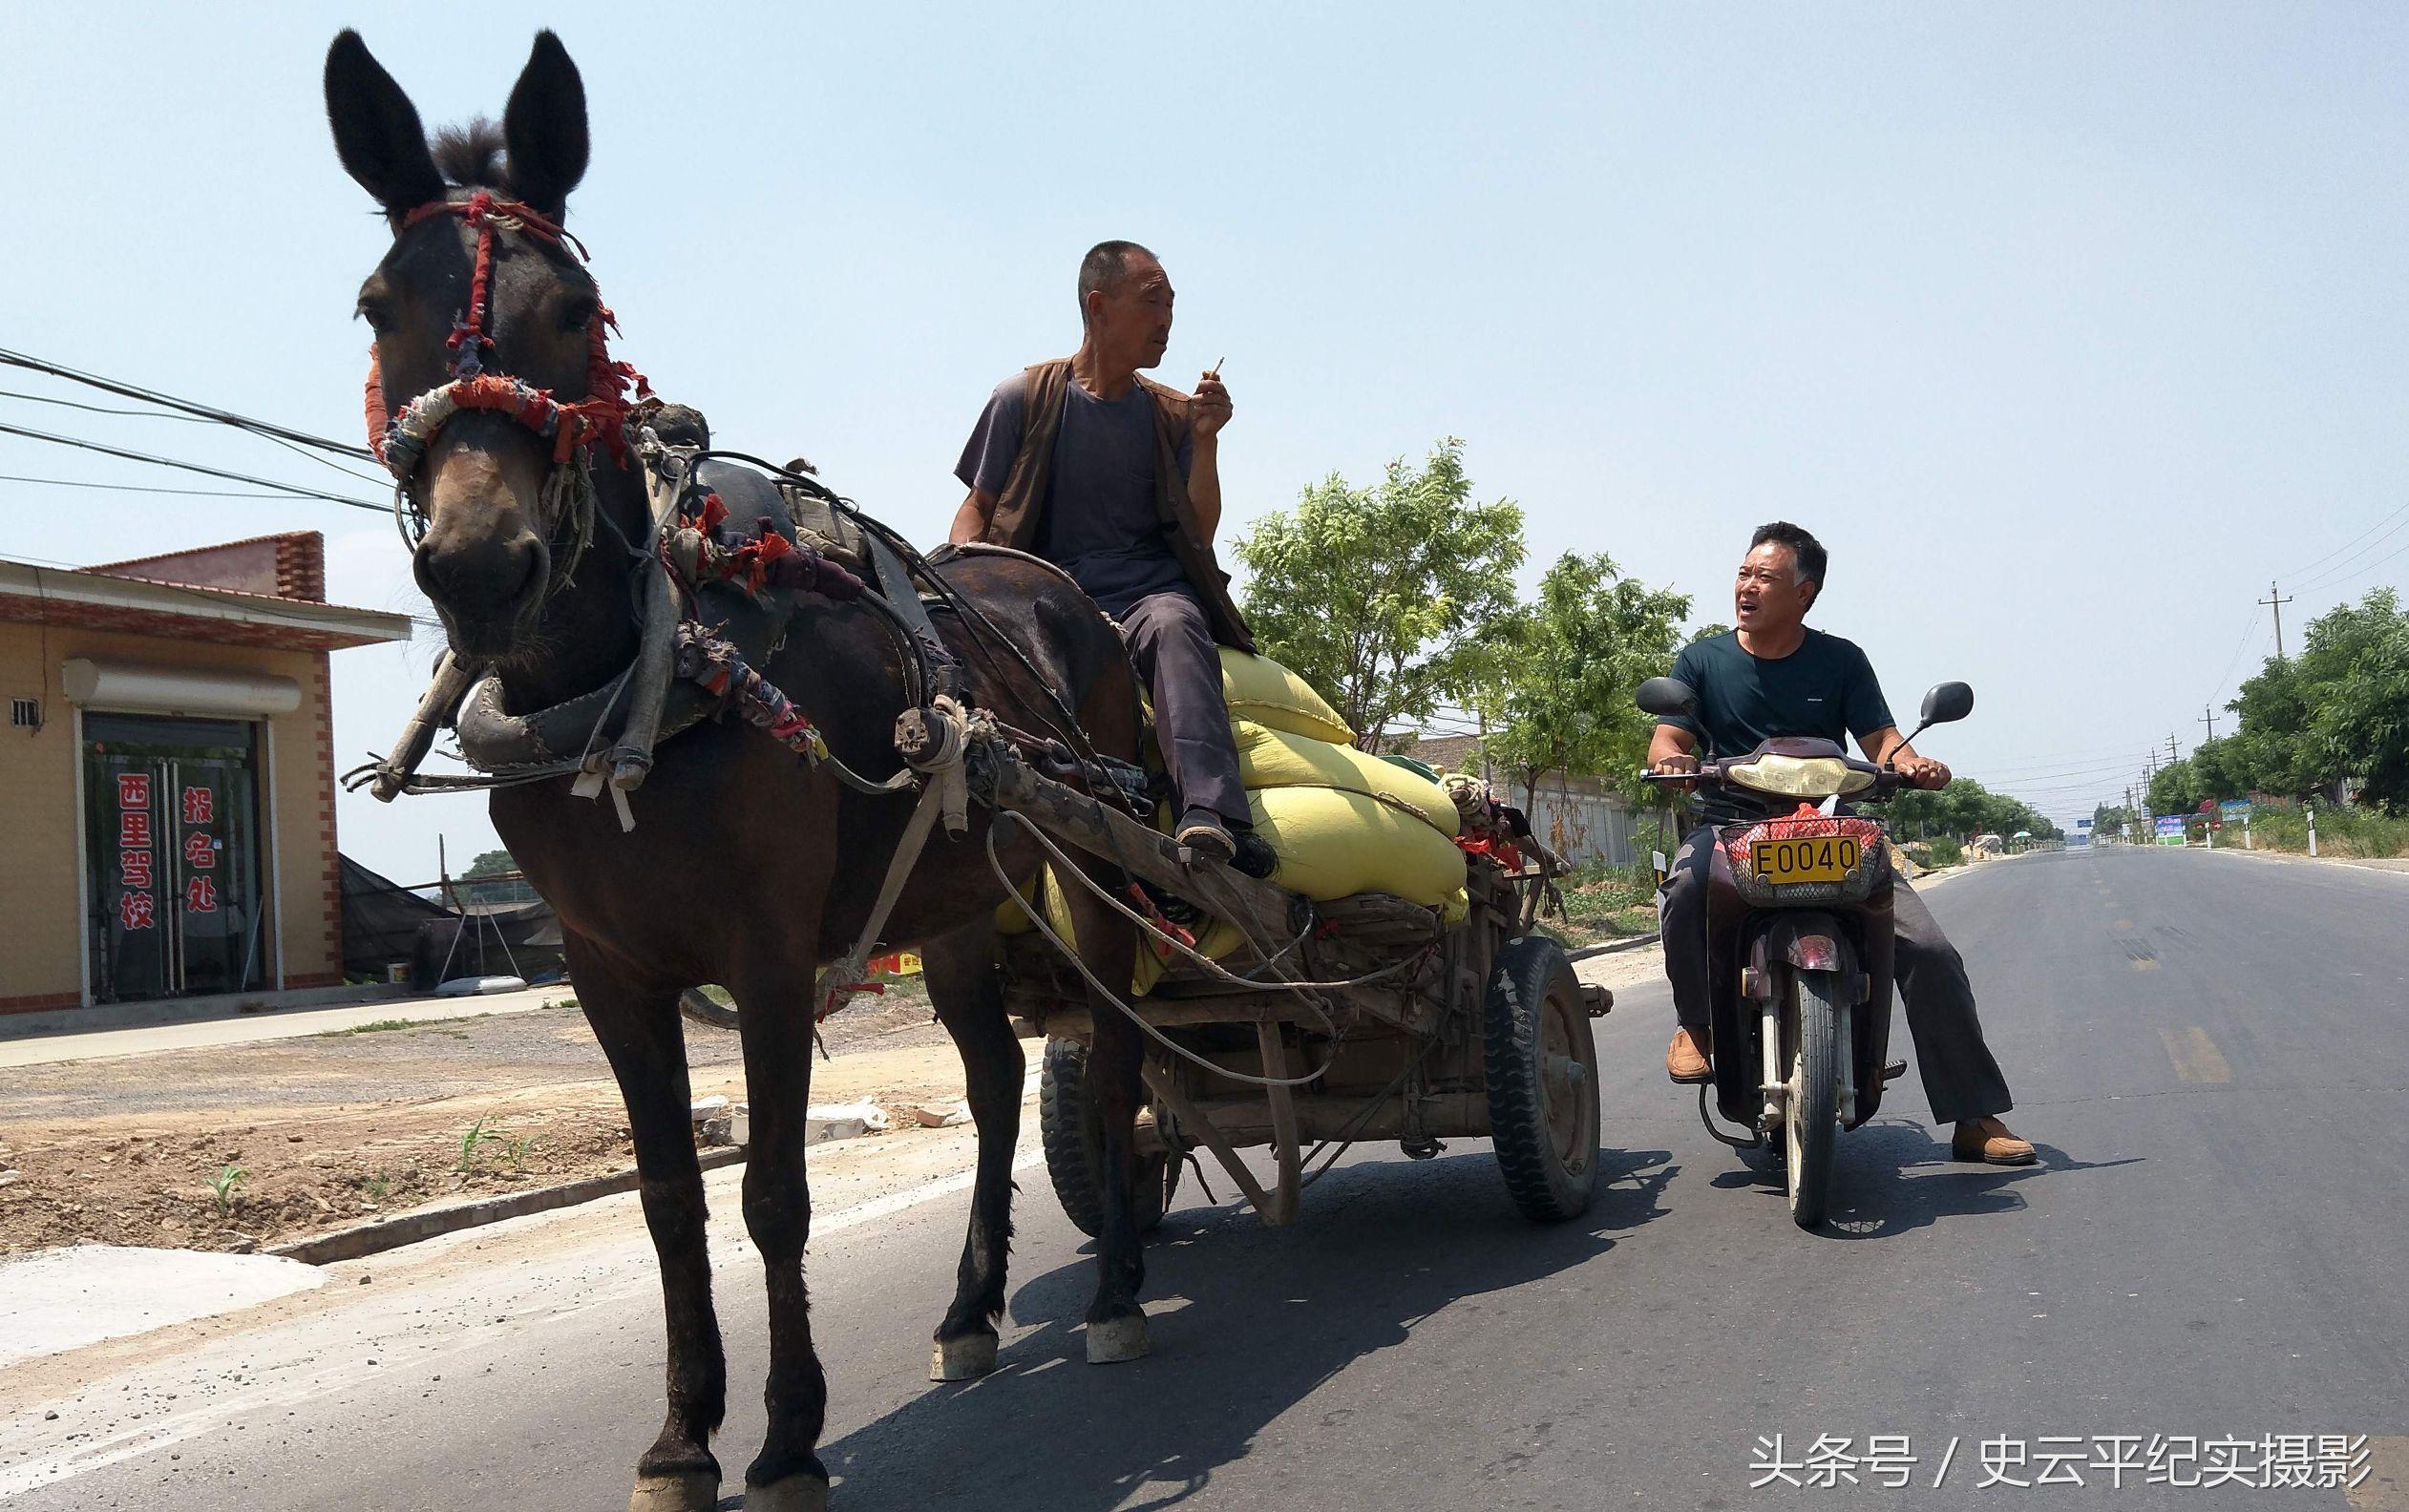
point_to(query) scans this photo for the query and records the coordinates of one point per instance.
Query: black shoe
(1202, 832)
(1255, 857)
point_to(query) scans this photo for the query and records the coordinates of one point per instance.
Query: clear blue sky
(2066, 326)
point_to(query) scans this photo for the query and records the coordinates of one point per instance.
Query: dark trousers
(1961, 1081)
(1171, 642)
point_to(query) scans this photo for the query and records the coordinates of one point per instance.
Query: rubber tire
(1810, 1114)
(704, 1009)
(1073, 1138)
(1531, 981)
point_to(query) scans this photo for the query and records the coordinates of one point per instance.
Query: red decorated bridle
(400, 439)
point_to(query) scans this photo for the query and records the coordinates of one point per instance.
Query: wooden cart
(1477, 1029)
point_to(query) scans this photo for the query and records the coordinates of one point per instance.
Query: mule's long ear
(376, 130)
(545, 128)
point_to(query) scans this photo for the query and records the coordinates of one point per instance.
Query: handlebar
(1888, 780)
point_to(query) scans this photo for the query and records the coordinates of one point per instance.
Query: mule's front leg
(640, 1033)
(1116, 1324)
(960, 973)
(774, 1016)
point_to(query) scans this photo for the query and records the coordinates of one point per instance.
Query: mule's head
(486, 556)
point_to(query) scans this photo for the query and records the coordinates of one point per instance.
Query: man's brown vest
(1021, 503)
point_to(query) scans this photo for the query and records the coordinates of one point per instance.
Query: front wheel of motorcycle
(1811, 1119)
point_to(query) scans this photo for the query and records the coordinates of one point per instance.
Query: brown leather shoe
(1987, 1140)
(1685, 1061)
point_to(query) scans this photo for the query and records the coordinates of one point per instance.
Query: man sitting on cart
(1774, 677)
(1116, 480)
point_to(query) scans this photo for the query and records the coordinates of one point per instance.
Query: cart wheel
(704, 1009)
(1068, 1127)
(1542, 1080)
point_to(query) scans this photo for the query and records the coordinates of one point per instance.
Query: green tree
(2358, 655)
(1563, 691)
(1963, 809)
(2336, 713)
(2222, 768)
(489, 863)
(2175, 789)
(1387, 598)
(494, 864)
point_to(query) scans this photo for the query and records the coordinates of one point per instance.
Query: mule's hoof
(1117, 1341)
(795, 1494)
(691, 1491)
(965, 1358)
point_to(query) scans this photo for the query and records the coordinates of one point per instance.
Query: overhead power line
(300, 451)
(2346, 572)
(125, 391)
(294, 489)
(2304, 570)
(135, 487)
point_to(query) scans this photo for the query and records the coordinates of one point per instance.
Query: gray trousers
(1961, 1079)
(1171, 642)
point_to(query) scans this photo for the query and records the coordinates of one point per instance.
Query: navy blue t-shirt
(1098, 520)
(1824, 688)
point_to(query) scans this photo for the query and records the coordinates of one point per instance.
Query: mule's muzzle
(488, 593)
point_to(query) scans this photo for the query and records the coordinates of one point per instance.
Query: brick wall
(324, 967)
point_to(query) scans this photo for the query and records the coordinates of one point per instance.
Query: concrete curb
(1614, 947)
(392, 1233)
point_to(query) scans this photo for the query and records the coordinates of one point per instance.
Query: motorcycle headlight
(1809, 777)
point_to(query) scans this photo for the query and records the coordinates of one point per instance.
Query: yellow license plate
(1816, 859)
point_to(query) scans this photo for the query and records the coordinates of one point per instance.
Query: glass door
(173, 847)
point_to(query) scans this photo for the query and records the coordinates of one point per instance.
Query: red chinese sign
(133, 911)
(201, 895)
(136, 907)
(197, 801)
(200, 853)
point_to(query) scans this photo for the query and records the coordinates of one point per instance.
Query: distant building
(169, 762)
(1578, 817)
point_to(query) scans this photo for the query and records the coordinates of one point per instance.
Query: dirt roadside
(334, 1131)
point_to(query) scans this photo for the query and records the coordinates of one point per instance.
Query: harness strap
(894, 585)
(834, 980)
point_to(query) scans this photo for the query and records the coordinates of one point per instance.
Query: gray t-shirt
(1097, 520)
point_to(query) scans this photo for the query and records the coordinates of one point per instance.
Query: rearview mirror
(1669, 698)
(1947, 703)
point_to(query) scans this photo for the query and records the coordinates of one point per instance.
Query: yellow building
(169, 767)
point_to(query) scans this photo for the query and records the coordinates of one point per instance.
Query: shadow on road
(1247, 1322)
(1877, 1191)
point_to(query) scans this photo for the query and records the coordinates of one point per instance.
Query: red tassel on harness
(600, 419)
(372, 404)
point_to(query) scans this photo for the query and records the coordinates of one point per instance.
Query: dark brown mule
(745, 867)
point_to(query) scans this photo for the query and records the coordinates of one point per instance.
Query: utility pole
(2276, 601)
(2209, 716)
(2171, 756)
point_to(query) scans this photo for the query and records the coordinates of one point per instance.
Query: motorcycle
(1799, 941)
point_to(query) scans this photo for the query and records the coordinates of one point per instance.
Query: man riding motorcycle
(1774, 677)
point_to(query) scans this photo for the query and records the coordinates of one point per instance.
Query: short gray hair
(1103, 267)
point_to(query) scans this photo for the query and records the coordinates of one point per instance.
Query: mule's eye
(378, 317)
(576, 314)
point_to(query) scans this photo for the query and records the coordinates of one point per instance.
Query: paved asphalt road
(2209, 1051)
